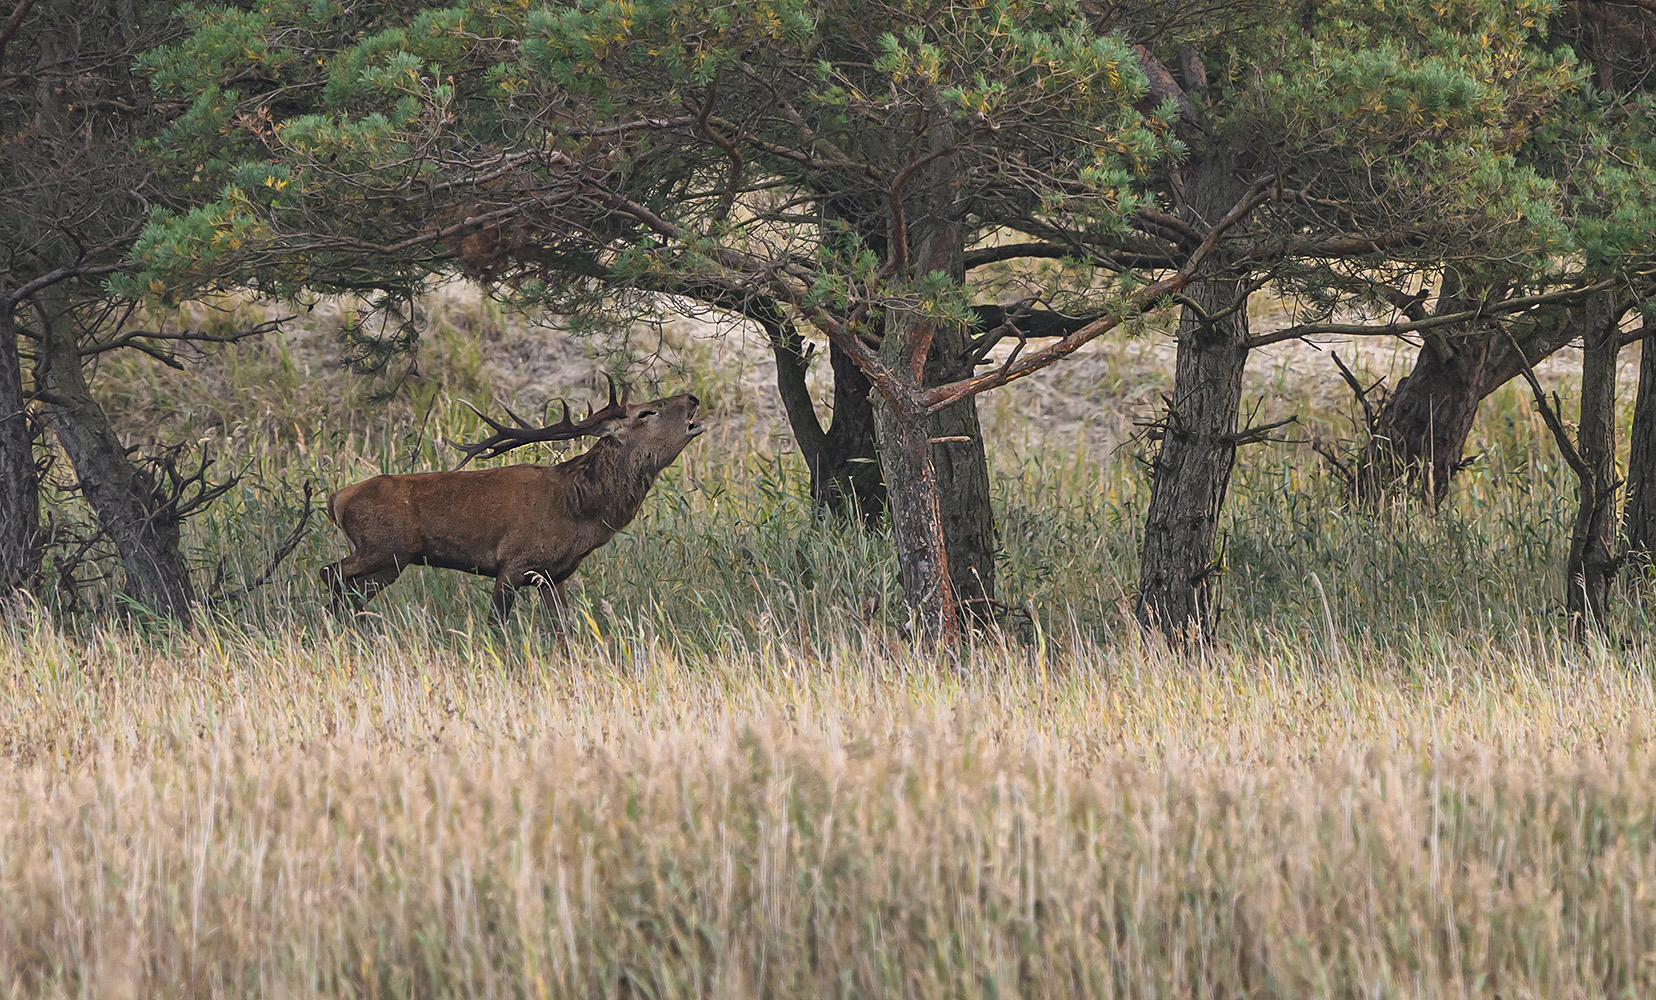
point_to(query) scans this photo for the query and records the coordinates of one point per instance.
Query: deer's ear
(610, 430)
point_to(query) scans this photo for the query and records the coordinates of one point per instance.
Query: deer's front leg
(505, 592)
(556, 599)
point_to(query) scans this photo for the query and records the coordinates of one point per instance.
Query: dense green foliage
(334, 146)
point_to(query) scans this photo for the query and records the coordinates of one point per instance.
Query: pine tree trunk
(1192, 470)
(917, 522)
(847, 471)
(1421, 430)
(851, 453)
(19, 490)
(1639, 519)
(961, 467)
(936, 506)
(963, 481)
(127, 501)
(1594, 547)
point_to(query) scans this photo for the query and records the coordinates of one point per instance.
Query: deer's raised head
(653, 433)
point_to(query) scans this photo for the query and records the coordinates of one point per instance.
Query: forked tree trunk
(1419, 435)
(929, 499)
(127, 501)
(842, 459)
(1192, 470)
(1594, 546)
(961, 466)
(1639, 518)
(19, 490)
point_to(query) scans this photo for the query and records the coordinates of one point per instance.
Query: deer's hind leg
(353, 581)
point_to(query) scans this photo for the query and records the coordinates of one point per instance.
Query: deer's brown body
(521, 524)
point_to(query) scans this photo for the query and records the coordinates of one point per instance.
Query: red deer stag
(517, 523)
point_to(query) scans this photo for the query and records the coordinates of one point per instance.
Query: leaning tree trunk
(1639, 518)
(127, 501)
(1420, 431)
(850, 450)
(1594, 545)
(19, 490)
(1192, 470)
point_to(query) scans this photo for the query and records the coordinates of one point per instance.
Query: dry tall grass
(229, 813)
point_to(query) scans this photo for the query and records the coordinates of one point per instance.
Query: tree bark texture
(906, 455)
(927, 498)
(961, 467)
(19, 489)
(1594, 546)
(1639, 517)
(1177, 569)
(126, 499)
(1419, 434)
(963, 481)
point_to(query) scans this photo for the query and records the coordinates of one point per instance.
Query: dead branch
(135, 338)
(1549, 415)
(9, 30)
(1261, 432)
(1521, 304)
(1369, 416)
(283, 550)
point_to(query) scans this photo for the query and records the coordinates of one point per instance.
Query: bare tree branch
(1510, 306)
(1549, 416)
(13, 23)
(135, 338)
(283, 550)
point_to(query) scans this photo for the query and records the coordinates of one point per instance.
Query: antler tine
(611, 405)
(492, 422)
(509, 436)
(474, 450)
(513, 414)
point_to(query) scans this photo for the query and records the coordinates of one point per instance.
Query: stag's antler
(507, 436)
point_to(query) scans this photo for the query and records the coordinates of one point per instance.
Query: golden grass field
(1390, 776)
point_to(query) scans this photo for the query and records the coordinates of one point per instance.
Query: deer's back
(471, 520)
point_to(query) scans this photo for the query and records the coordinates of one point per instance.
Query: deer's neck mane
(611, 480)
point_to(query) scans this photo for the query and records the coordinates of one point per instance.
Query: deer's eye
(646, 413)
